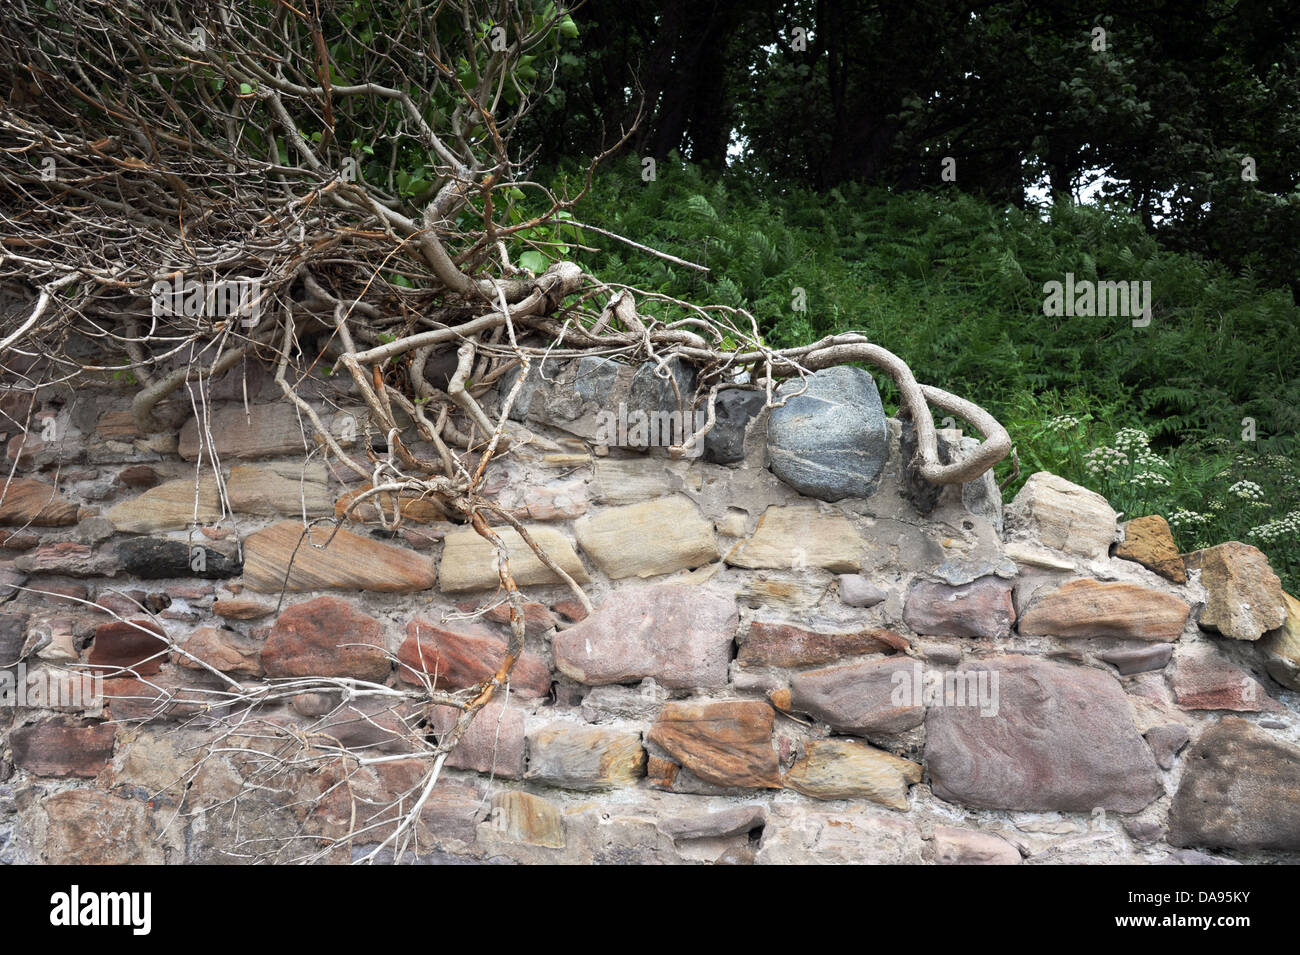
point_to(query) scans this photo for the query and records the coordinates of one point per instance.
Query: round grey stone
(832, 441)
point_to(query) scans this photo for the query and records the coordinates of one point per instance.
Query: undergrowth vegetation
(1193, 416)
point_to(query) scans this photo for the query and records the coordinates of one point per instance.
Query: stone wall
(798, 651)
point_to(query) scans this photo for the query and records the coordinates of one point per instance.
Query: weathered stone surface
(714, 824)
(799, 536)
(154, 558)
(1281, 647)
(982, 608)
(275, 490)
(1140, 659)
(139, 475)
(493, 743)
(414, 508)
(452, 812)
(1240, 790)
(1030, 555)
(225, 650)
(27, 501)
(523, 817)
(87, 827)
(857, 591)
(469, 561)
(154, 760)
(789, 592)
(733, 411)
(13, 634)
(956, 571)
(562, 501)
(371, 725)
(53, 748)
(326, 637)
(829, 440)
(643, 540)
(798, 836)
(1062, 739)
(10, 580)
(1204, 680)
(17, 540)
(538, 620)
(1062, 515)
(572, 756)
(626, 481)
(465, 657)
(841, 769)
(56, 637)
(241, 608)
(678, 634)
(1091, 608)
(1245, 597)
(859, 697)
(1165, 742)
(136, 645)
(787, 645)
(348, 562)
(68, 558)
(238, 433)
(169, 506)
(726, 744)
(954, 846)
(1150, 542)
(173, 694)
(653, 395)
(594, 377)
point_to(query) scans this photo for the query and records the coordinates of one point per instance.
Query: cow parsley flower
(1247, 491)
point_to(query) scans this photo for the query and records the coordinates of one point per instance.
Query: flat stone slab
(326, 637)
(1240, 790)
(860, 697)
(982, 608)
(1062, 739)
(346, 562)
(173, 505)
(464, 657)
(258, 432)
(271, 490)
(787, 645)
(469, 562)
(799, 536)
(842, 769)
(27, 501)
(677, 634)
(571, 756)
(644, 540)
(1091, 608)
(726, 744)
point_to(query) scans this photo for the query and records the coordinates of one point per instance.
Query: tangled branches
(188, 187)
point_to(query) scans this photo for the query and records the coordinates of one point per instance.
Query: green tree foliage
(1163, 102)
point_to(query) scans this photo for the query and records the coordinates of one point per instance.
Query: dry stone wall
(798, 651)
